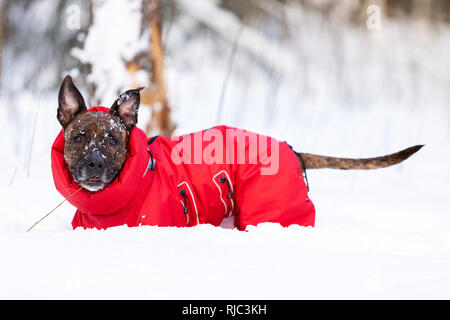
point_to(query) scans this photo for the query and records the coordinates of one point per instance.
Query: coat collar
(129, 187)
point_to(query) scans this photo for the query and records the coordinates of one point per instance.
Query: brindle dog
(96, 142)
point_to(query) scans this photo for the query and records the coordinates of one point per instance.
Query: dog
(129, 179)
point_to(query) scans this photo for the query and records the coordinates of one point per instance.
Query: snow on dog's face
(96, 142)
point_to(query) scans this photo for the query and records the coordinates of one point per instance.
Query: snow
(379, 234)
(350, 255)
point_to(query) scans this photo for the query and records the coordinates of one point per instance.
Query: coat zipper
(225, 178)
(222, 179)
(185, 193)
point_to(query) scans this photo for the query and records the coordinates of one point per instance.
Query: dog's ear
(70, 102)
(126, 107)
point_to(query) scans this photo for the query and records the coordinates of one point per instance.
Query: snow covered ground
(381, 234)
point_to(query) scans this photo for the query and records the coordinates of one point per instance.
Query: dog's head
(96, 142)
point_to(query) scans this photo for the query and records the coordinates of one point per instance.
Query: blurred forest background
(345, 78)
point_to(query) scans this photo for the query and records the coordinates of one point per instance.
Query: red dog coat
(197, 178)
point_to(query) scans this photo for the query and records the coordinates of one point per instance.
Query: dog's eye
(112, 141)
(77, 139)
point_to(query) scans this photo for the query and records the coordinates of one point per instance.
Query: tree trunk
(155, 95)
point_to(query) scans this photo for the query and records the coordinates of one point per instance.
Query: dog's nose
(95, 165)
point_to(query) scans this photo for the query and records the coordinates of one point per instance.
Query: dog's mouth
(93, 184)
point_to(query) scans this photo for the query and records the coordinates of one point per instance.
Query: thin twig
(30, 149)
(53, 209)
(14, 175)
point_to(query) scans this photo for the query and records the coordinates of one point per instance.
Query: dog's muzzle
(95, 166)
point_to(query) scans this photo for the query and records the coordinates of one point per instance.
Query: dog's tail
(312, 161)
